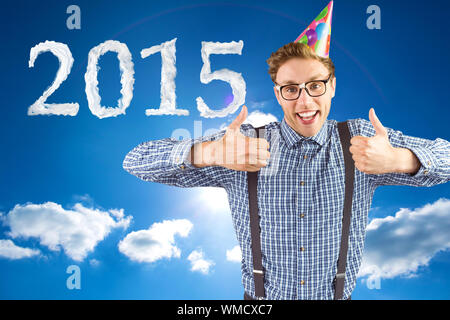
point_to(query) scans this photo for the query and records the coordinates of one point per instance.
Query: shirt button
(302, 215)
(305, 157)
(182, 166)
(302, 249)
(429, 163)
(425, 171)
(302, 183)
(302, 282)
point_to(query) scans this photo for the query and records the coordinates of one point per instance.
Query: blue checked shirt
(300, 199)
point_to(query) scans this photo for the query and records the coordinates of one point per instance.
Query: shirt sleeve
(434, 157)
(166, 161)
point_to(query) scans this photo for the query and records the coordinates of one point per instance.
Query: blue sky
(75, 162)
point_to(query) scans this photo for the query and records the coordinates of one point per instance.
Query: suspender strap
(258, 272)
(252, 182)
(344, 134)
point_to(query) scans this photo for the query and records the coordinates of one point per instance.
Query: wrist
(202, 154)
(406, 161)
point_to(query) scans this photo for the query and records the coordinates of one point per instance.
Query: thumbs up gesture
(238, 152)
(374, 155)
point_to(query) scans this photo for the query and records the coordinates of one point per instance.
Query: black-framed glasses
(314, 88)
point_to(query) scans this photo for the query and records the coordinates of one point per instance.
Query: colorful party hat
(317, 35)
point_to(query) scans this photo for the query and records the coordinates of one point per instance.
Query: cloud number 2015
(168, 73)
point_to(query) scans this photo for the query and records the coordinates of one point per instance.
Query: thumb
(236, 124)
(379, 128)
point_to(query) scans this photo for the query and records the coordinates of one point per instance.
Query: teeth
(307, 114)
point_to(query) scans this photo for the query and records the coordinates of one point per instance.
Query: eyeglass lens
(314, 89)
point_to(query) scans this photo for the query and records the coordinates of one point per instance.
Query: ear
(333, 87)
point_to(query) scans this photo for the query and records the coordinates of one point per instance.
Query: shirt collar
(291, 137)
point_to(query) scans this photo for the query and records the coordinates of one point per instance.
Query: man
(301, 203)
(300, 187)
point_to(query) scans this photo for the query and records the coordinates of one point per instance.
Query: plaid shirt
(300, 199)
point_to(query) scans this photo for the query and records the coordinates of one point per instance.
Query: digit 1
(168, 73)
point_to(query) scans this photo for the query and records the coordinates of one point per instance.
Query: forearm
(202, 154)
(155, 160)
(416, 162)
(167, 161)
(406, 161)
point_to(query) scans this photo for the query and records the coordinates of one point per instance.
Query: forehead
(300, 70)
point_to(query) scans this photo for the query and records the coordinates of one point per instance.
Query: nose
(304, 98)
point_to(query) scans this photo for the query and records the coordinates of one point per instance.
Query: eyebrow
(315, 77)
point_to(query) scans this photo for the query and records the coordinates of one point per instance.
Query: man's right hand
(234, 150)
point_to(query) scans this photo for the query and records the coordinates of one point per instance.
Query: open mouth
(308, 117)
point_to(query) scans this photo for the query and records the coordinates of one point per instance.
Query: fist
(238, 152)
(373, 155)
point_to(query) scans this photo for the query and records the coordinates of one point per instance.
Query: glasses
(314, 88)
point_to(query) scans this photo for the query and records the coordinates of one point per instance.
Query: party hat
(317, 35)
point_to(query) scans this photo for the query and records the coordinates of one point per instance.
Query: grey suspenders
(258, 273)
(252, 182)
(344, 134)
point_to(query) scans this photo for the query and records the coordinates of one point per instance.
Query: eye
(315, 86)
(291, 89)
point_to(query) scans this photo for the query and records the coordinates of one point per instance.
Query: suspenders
(344, 134)
(252, 181)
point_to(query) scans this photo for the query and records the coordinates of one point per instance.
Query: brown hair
(295, 50)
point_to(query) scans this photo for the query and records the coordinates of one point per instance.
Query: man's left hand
(374, 155)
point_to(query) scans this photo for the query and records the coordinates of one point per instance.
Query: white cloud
(167, 51)
(156, 242)
(94, 262)
(199, 263)
(255, 118)
(9, 250)
(126, 79)
(235, 254)
(261, 104)
(258, 118)
(235, 80)
(77, 230)
(210, 200)
(62, 52)
(399, 245)
(86, 199)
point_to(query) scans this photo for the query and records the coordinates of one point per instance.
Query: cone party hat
(318, 34)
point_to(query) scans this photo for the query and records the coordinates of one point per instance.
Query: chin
(308, 134)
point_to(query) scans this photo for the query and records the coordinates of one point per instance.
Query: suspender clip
(258, 271)
(340, 275)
